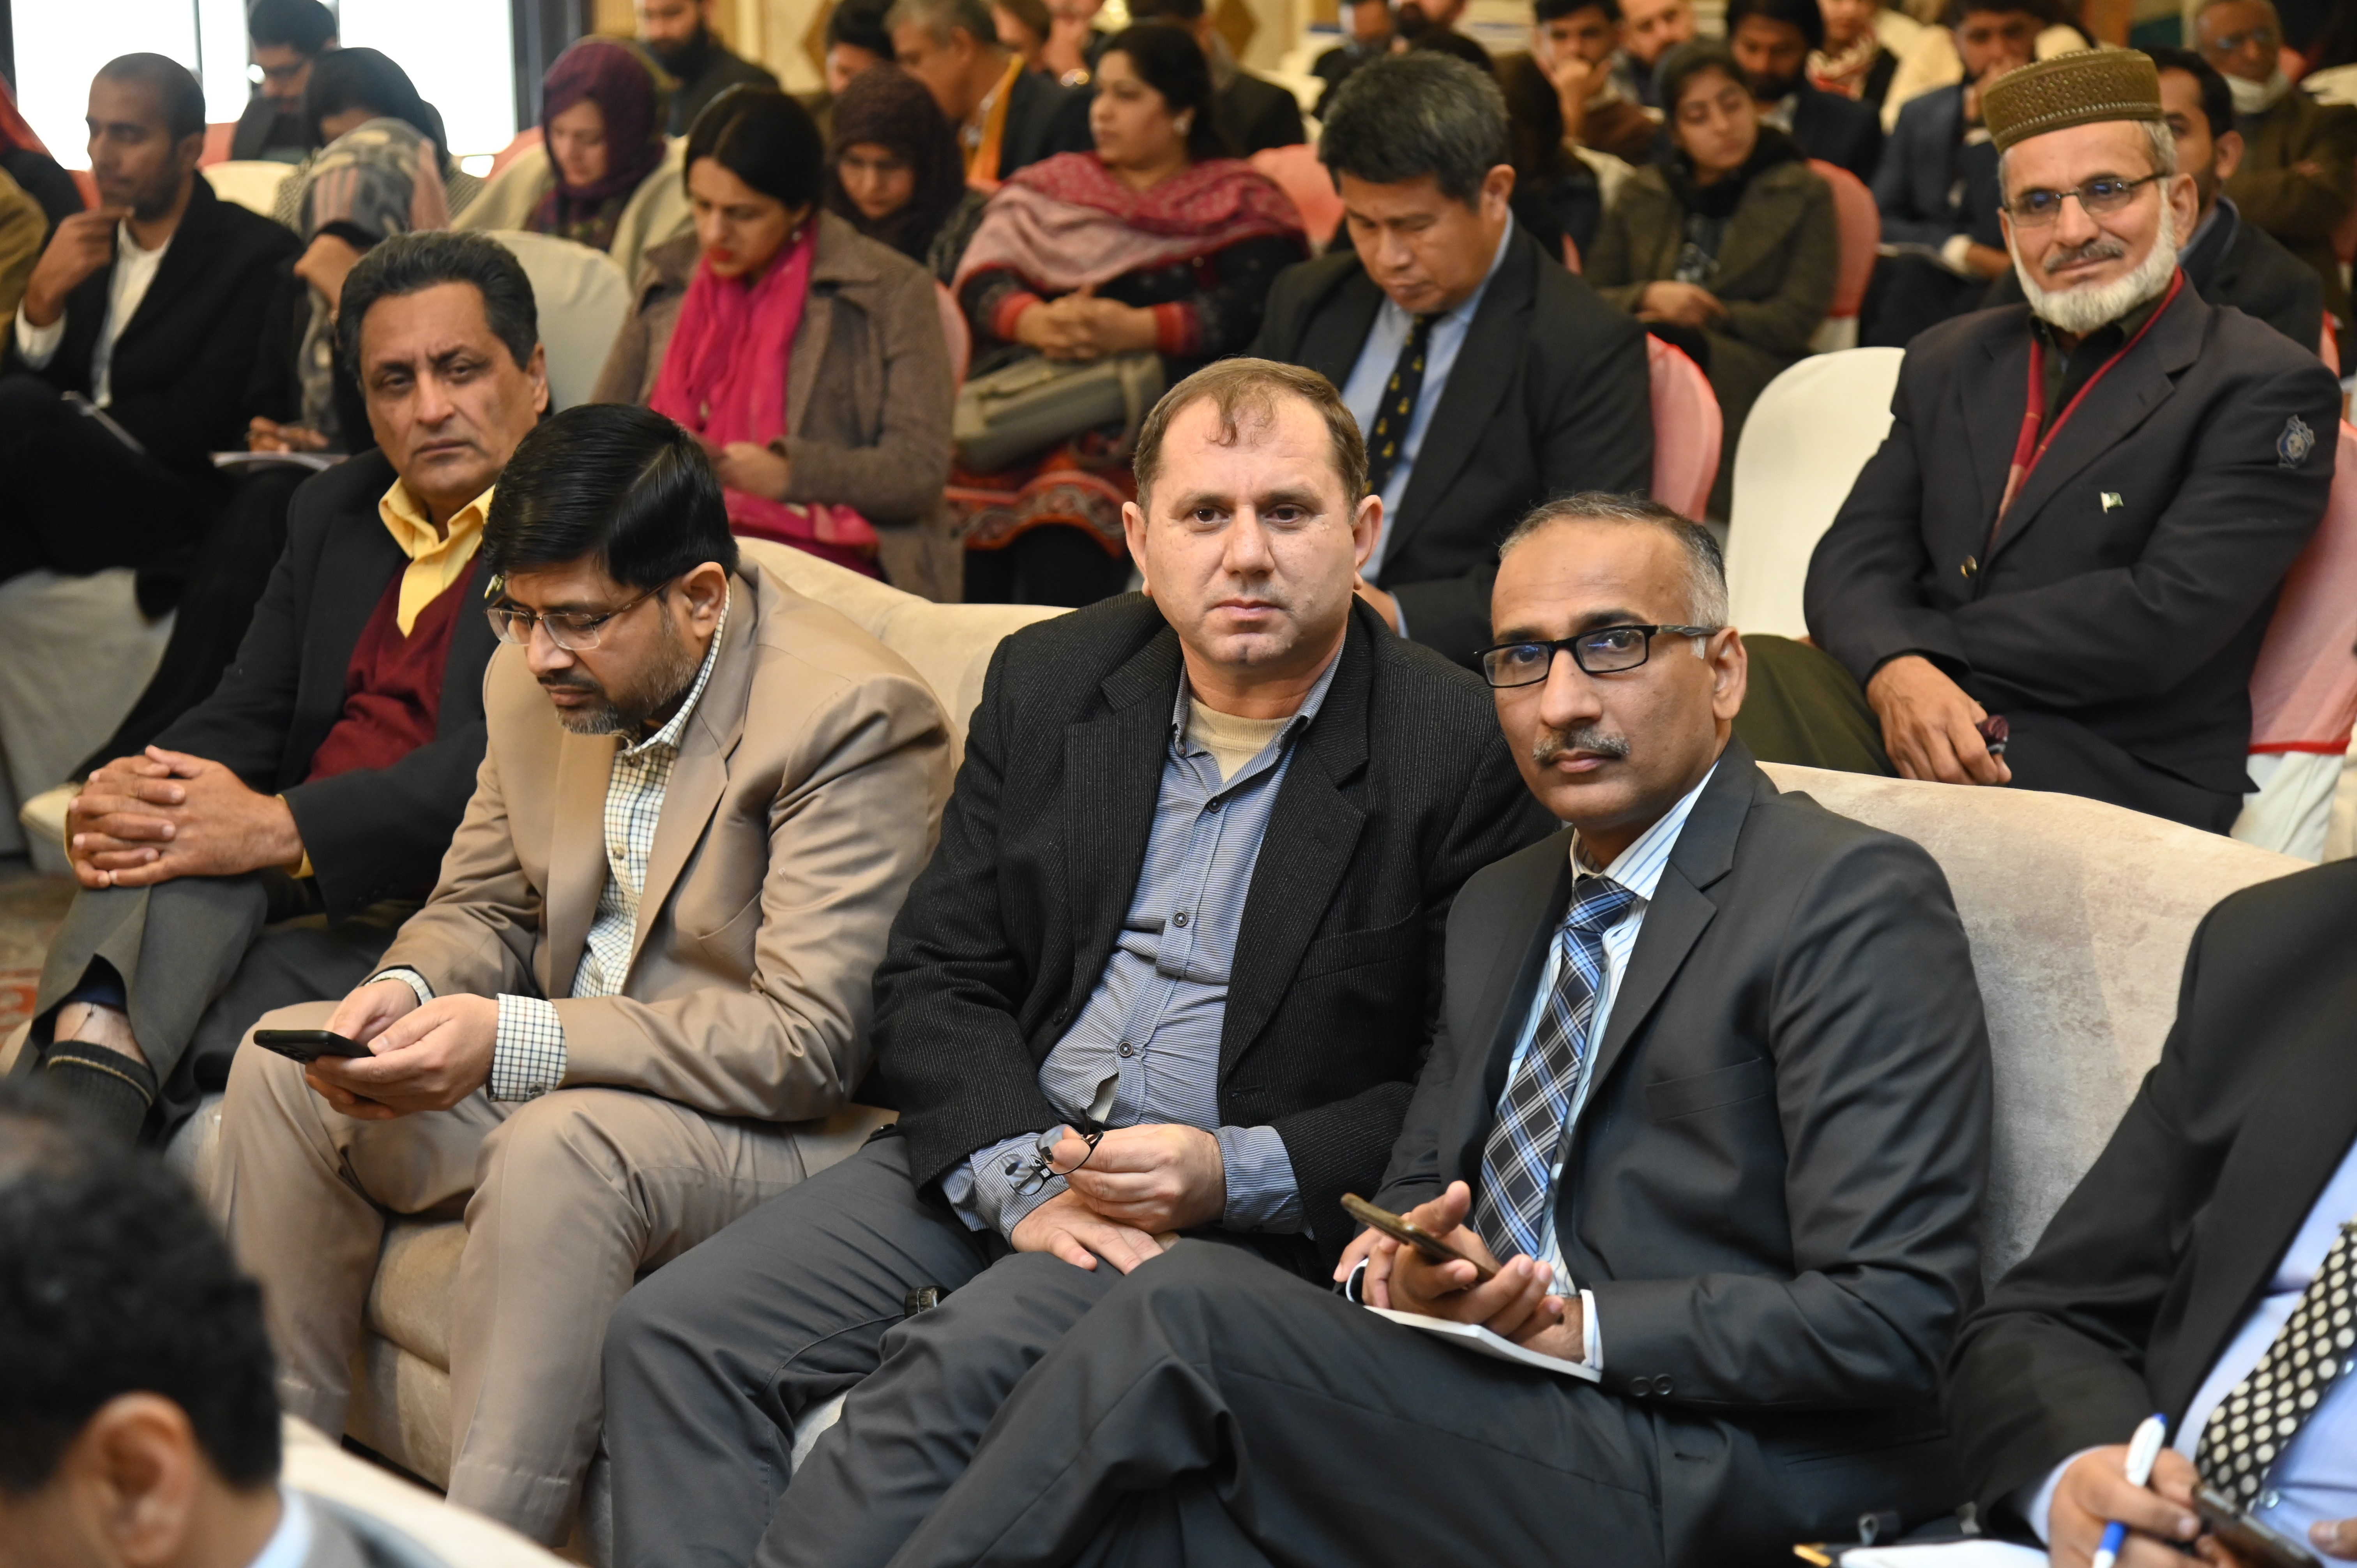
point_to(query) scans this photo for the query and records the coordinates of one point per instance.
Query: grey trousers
(1211, 1410)
(711, 1362)
(202, 958)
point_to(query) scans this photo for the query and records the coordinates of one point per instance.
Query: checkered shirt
(528, 1056)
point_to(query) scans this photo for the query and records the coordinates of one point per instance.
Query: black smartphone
(2252, 1542)
(307, 1046)
(1414, 1235)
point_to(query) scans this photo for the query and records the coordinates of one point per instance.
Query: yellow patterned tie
(1397, 410)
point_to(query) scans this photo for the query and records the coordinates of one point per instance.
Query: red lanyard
(2028, 448)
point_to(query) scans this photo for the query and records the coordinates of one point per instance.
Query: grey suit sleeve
(1882, 1088)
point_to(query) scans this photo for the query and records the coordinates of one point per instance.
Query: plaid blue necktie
(1517, 1160)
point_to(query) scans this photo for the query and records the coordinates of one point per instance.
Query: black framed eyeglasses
(571, 631)
(2103, 195)
(1042, 1164)
(1606, 650)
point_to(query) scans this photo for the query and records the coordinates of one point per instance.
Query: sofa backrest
(2079, 915)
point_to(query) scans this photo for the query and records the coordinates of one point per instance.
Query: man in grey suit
(137, 1426)
(1746, 1221)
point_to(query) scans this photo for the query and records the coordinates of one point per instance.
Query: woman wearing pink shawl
(1152, 242)
(809, 360)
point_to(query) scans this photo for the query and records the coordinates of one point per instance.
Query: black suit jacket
(1399, 789)
(2242, 265)
(376, 832)
(1920, 166)
(1254, 116)
(2121, 607)
(2151, 1263)
(1774, 1191)
(1043, 118)
(1838, 129)
(1550, 394)
(182, 363)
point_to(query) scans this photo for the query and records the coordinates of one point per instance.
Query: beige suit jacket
(806, 797)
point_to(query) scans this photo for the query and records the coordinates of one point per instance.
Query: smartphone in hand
(2246, 1537)
(307, 1046)
(1408, 1232)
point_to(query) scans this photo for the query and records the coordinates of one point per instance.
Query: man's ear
(1497, 189)
(1366, 527)
(1730, 673)
(1133, 528)
(536, 371)
(189, 152)
(706, 588)
(2226, 154)
(137, 1469)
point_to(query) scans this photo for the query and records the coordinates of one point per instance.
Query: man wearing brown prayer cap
(2085, 505)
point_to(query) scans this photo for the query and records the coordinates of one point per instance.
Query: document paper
(1482, 1342)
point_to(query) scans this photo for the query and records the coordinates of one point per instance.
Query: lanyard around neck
(2028, 447)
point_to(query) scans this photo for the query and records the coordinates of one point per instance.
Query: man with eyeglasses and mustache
(642, 981)
(2057, 569)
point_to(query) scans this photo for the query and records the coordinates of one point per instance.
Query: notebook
(1482, 1342)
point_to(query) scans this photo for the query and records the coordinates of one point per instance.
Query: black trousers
(711, 1361)
(75, 500)
(1804, 707)
(200, 959)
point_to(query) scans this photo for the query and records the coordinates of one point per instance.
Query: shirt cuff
(1591, 1352)
(36, 345)
(2035, 1501)
(1953, 254)
(1178, 330)
(983, 1192)
(1262, 1193)
(1009, 311)
(528, 1054)
(409, 977)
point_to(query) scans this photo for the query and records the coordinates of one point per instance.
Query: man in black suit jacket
(1772, 41)
(149, 308)
(2231, 261)
(325, 775)
(1518, 386)
(1190, 888)
(2169, 1270)
(1711, 1076)
(2100, 577)
(951, 45)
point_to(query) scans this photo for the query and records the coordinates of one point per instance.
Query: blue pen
(2144, 1449)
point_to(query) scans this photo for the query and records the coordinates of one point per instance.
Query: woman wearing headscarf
(894, 170)
(1155, 242)
(603, 175)
(1726, 246)
(808, 359)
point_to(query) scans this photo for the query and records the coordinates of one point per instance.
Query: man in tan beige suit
(647, 956)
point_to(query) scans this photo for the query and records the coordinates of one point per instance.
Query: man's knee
(256, 1076)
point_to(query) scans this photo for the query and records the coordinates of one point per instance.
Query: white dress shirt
(1362, 393)
(528, 1056)
(1639, 869)
(2315, 1478)
(134, 270)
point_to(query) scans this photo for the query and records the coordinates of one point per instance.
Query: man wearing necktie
(1711, 1077)
(2205, 1268)
(1485, 377)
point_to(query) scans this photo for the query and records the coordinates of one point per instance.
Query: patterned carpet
(31, 905)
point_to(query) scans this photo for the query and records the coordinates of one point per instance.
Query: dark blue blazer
(1921, 165)
(1838, 130)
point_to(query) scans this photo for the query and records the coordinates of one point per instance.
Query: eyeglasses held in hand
(1043, 1157)
(571, 631)
(1606, 651)
(2103, 195)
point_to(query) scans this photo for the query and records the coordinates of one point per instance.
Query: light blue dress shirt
(1362, 393)
(1145, 1049)
(1639, 869)
(2315, 1478)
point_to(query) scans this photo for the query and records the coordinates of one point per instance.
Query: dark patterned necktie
(2257, 1420)
(1518, 1159)
(1397, 410)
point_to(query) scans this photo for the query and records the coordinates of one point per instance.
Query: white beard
(2080, 310)
(2259, 97)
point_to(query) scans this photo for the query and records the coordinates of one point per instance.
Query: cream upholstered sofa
(2078, 916)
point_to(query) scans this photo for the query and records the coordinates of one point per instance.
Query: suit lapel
(1338, 331)
(189, 258)
(700, 775)
(1312, 831)
(1994, 400)
(2294, 1137)
(1681, 908)
(1113, 770)
(1534, 907)
(1468, 401)
(2109, 410)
